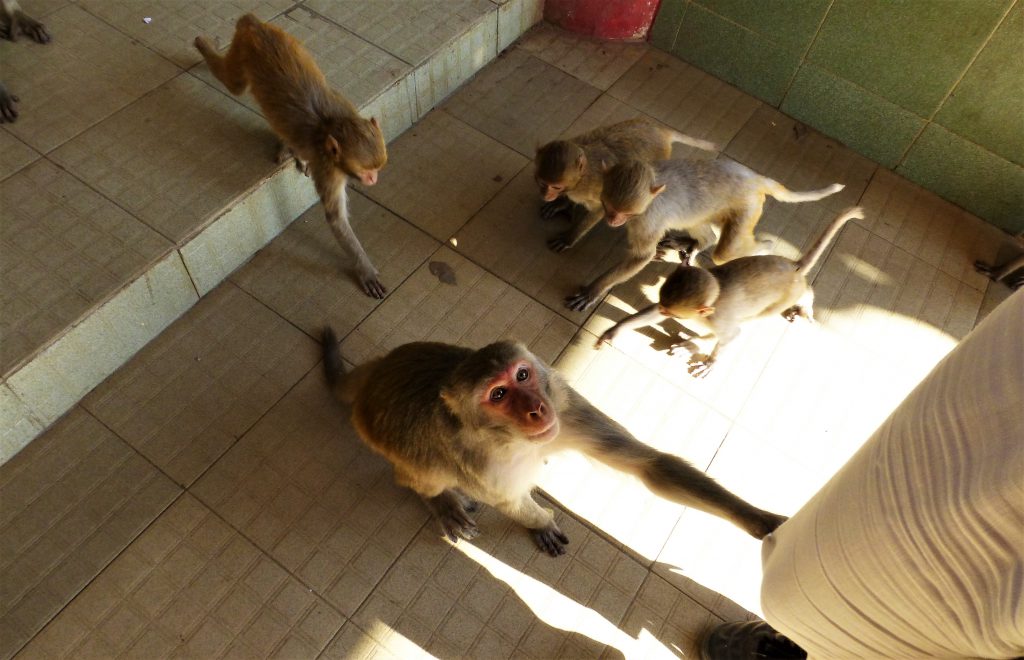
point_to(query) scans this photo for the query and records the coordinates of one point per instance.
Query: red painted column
(604, 19)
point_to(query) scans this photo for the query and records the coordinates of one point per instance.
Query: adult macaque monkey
(317, 125)
(725, 296)
(651, 199)
(14, 22)
(569, 176)
(460, 424)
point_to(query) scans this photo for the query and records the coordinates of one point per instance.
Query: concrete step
(133, 183)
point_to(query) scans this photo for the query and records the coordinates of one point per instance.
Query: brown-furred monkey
(319, 126)
(569, 174)
(652, 198)
(723, 297)
(14, 22)
(459, 424)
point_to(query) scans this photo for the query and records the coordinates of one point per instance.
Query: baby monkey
(319, 126)
(683, 194)
(460, 424)
(740, 290)
(569, 174)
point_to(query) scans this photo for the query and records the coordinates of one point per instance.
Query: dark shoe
(748, 640)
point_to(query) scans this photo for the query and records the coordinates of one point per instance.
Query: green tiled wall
(933, 89)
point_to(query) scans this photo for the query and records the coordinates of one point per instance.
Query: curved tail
(683, 138)
(784, 194)
(814, 253)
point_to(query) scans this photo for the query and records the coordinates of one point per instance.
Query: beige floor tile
(609, 110)
(65, 250)
(354, 67)
(891, 302)
(352, 643)
(509, 238)
(14, 154)
(521, 101)
(441, 172)
(477, 310)
(499, 596)
(191, 393)
(599, 63)
(175, 24)
(800, 158)
(929, 228)
(409, 29)
(658, 414)
(191, 586)
(219, 150)
(516, 17)
(71, 501)
(304, 276)
(303, 487)
(43, 8)
(87, 72)
(684, 97)
(667, 621)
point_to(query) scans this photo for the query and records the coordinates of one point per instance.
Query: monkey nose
(369, 178)
(550, 196)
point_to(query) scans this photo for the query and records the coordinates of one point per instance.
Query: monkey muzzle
(616, 220)
(550, 195)
(368, 178)
(545, 434)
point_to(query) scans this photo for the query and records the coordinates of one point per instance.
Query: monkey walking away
(725, 296)
(460, 425)
(568, 172)
(683, 194)
(321, 128)
(14, 22)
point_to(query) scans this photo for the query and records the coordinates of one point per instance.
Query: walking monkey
(316, 124)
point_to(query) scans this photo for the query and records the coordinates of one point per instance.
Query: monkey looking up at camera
(317, 125)
(569, 176)
(458, 423)
(651, 199)
(725, 296)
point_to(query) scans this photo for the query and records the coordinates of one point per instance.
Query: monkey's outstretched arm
(627, 268)
(333, 190)
(584, 219)
(587, 429)
(646, 316)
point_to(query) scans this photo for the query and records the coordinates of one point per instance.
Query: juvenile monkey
(13, 22)
(742, 289)
(568, 173)
(458, 423)
(317, 125)
(651, 199)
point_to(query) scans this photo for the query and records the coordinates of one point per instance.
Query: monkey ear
(331, 146)
(657, 190)
(605, 166)
(581, 161)
(706, 310)
(376, 124)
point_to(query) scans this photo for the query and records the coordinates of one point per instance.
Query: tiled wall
(933, 89)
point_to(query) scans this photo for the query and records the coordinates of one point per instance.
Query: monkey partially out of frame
(316, 124)
(459, 425)
(1005, 272)
(568, 172)
(725, 296)
(15, 22)
(652, 198)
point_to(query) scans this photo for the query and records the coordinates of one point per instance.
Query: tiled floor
(210, 499)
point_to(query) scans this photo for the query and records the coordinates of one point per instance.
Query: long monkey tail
(784, 194)
(683, 138)
(814, 253)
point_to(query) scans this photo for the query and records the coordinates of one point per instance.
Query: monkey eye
(522, 374)
(498, 393)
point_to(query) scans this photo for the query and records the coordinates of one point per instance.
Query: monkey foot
(373, 287)
(550, 539)
(983, 268)
(580, 301)
(1016, 282)
(765, 524)
(700, 365)
(8, 106)
(559, 244)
